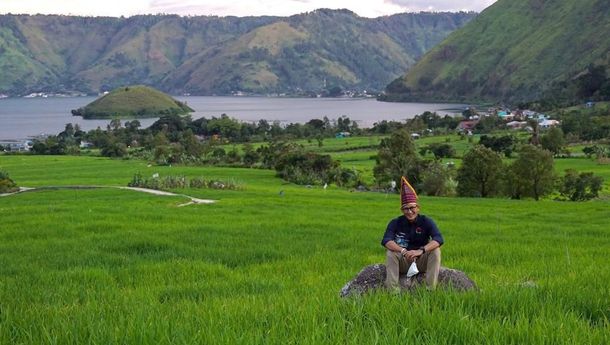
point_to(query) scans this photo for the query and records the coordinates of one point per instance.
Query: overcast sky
(364, 8)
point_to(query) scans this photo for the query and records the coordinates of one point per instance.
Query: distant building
(466, 126)
(415, 136)
(546, 123)
(343, 135)
(85, 145)
(17, 145)
(516, 124)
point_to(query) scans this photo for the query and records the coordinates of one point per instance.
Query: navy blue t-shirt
(412, 235)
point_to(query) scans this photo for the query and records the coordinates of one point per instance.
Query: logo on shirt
(418, 230)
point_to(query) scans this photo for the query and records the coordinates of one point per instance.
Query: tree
(553, 140)
(397, 157)
(114, 149)
(479, 175)
(580, 187)
(488, 124)
(442, 150)
(438, 180)
(250, 155)
(533, 171)
(535, 138)
(504, 144)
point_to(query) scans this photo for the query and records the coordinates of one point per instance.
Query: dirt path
(192, 201)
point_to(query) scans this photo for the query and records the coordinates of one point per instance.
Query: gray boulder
(373, 276)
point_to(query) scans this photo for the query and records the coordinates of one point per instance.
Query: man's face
(410, 211)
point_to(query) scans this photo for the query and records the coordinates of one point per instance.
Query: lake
(21, 118)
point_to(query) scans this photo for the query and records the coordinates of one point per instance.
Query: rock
(373, 276)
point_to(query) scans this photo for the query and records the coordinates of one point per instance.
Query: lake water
(21, 118)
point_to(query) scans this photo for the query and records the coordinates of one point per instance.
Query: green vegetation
(215, 55)
(480, 173)
(518, 50)
(112, 266)
(6, 184)
(133, 101)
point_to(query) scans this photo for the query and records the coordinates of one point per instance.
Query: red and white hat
(407, 193)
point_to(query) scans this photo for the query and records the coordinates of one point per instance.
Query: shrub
(6, 184)
(438, 180)
(180, 182)
(580, 187)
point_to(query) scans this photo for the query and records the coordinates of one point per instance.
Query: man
(411, 238)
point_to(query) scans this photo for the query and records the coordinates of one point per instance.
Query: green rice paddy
(265, 265)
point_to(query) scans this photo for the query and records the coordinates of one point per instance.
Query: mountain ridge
(212, 55)
(518, 50)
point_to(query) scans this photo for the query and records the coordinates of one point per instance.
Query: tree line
(483, 172)
(174, 139)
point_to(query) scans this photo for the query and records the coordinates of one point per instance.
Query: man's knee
(391, 256)
(434, 257)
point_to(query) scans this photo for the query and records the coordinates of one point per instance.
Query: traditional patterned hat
(407, 193)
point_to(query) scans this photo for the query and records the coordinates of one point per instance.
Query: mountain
(134, 100)
(214, 55)
(516, 50)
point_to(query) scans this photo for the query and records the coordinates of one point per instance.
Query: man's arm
(388, 238)
(415, 253)
(393, 246)
(389, 235)
(435, 242)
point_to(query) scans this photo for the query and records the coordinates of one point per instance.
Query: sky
(240, 8)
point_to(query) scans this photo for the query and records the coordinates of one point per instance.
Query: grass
(116, 266)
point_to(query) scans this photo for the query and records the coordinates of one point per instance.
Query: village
(511, 119)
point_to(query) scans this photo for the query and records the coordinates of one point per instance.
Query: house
(466, 126)
(529, 113)
(85, 145)
(415, 136)
(343, 135)
(516, 124)
(546, 123)
(17, 145)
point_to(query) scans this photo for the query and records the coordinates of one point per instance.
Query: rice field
(264, 265)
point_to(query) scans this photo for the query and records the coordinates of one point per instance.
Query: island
(136, 101)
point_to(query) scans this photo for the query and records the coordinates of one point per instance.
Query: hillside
(214, 55)
(515, 50)
(136, 101)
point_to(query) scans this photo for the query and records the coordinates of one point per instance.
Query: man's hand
(411, 255)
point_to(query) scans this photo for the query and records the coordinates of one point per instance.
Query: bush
(438, 180)
(180, 182)
(6, 184)
(580, 187)
(306, 168)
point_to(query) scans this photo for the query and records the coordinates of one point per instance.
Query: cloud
(368, 8)
(442, 5)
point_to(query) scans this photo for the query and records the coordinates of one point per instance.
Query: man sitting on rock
(411, 238)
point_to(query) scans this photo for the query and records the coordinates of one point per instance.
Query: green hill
(214, 55)
(515, 50)
(133, 101)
